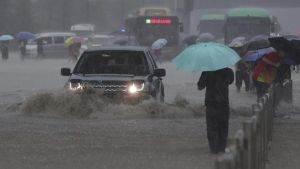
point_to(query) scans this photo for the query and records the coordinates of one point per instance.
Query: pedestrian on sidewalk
(217, 106)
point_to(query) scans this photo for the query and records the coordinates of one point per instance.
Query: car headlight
(135, 88)
(75, 86)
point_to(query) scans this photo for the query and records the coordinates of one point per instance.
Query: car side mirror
(181, 27)
(65, 71)
(159, 72)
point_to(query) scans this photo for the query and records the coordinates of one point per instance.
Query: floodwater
(42, 126)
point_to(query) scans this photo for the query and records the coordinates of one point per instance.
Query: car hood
(107, 77)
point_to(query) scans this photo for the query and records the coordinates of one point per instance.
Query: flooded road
(117, 136)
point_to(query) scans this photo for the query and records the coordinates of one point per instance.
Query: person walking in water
(242, 73)
(74, 51)
(4, 51)
(22, 47)
(265, 71)
(40, 48)
(217, 106)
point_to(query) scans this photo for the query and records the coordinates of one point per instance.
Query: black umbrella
(291, 48)
(258, 42)
(296, 48)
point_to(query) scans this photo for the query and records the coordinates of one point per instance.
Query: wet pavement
(119, 137)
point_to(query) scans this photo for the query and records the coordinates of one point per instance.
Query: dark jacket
(242, 67)
(4, 52)
(216, 84)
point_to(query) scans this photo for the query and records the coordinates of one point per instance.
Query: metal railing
(250, 145)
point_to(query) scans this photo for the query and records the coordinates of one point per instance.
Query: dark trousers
(217, 117)
(261, 88)
(241, 76)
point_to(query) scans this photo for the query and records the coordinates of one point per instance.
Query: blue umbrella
(206, 57)
(25, 35)
(255, 55)
(6, 38)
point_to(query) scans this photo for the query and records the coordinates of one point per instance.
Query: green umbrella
(206, 57)
(6, 37)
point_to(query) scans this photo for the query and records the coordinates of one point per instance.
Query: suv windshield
(113, 62)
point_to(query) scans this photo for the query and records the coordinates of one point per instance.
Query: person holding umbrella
(265, 71)
(4, 51)
(241, 68)
(217, 106)
(23, 38)
(40, 47)
(213, 60)
(4, 39)
(74, 44)
(157, 46)
(74, 51)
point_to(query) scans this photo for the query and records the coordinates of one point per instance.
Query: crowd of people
(257, 75)
(73, 49)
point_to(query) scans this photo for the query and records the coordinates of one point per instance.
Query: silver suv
(127, 71)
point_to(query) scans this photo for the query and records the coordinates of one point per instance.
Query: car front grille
(108, 86)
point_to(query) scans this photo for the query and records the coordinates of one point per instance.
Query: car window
(47, 40)
(31, 42)
(113, 62)
(58, 39)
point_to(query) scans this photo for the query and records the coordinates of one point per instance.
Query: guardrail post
(240, 148)
(263, 102)
(271, 112)
(247, 127)
(257, 111)
(255, 154)
(277, 93)
(288, 91)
